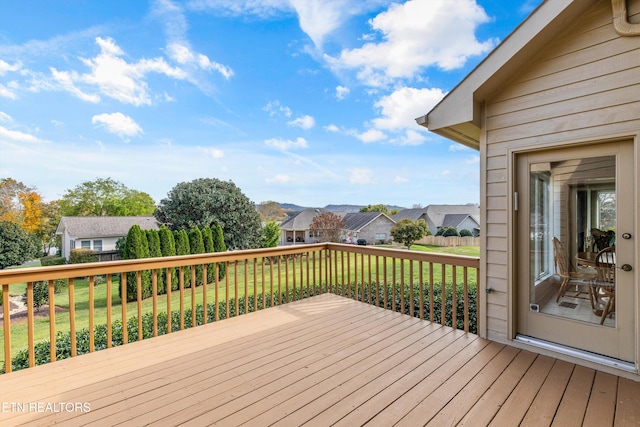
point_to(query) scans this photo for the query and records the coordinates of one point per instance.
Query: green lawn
(240, 281)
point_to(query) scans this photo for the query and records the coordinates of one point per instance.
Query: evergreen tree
(207, 237)
(153, 238)
(137, 247)
(219, 246)
(182, 248)
(196, 245)
(168, 248)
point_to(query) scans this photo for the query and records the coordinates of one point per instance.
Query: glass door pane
(572, 218)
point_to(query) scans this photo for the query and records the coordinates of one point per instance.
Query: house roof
(458, 115)
(356, 221)
(454, 220)
(302, 220)
(103, 226)
(413, 214)
(439, 214)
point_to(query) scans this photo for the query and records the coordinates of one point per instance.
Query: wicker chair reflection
(604, 285)
(568, 277)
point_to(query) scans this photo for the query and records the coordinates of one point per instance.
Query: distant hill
(293, 208)
(290, 207)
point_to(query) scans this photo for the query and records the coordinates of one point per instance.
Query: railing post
(6, 320)
(52, 322)
(30, 325)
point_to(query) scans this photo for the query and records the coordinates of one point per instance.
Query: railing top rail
(32, 274)
(449, 259)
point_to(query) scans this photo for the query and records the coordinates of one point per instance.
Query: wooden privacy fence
(449, 241)
(435, 287)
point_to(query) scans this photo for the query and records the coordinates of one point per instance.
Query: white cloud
(17, 136)
(278, 179)
(400, 108)
(332, 128)
(400, 179)
(4, 117)
(121, 80)
(5, 67)
(415, 35)
(286, 144)
(179, 48)
(212, 152)
(65, 80)
(411, 137)
(110, 75)
(361, 176)
(371, 135)
(6, 93)
(274, 108)
(304, 122)
(118, 124)
(342, 92)
(182, 54)
(317, 18)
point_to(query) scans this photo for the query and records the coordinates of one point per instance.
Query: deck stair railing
(435, 287)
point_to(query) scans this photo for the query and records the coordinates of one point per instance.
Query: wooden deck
(321, 361)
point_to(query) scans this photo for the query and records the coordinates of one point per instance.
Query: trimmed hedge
(52, 260)
(82, 256)
(415, 300)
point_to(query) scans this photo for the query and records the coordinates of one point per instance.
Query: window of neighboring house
(381, 236)
(72, 244)
(97, 245)
(85, 244)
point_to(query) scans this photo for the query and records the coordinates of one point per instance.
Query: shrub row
(159, 243)
(413, 297)
(52, 260)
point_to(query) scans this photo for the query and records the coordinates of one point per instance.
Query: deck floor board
(326, 360)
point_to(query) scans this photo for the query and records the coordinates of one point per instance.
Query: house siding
(583, 88)
(379, 225)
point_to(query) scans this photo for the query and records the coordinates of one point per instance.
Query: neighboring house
(413, 214)
(98, 233)
(554, 111)
(459, 216)
(296, 228)
(436, 216)
(374, 227)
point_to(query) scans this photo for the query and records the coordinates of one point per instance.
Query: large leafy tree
(106, 197)
(208, 202)
(327, 227)
(271, 211)
(16, 245)
(51, 214)
(11, 191)
(407, 231)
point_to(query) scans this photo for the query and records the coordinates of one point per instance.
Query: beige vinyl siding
(583, 87)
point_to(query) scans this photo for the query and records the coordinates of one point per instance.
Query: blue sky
(302, 101)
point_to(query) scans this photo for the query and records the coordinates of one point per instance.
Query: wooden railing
(417, 283)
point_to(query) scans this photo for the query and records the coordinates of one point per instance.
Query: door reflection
(572, 239)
